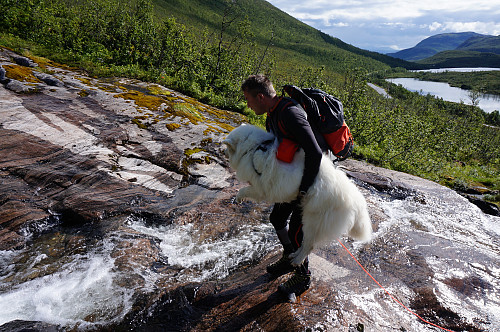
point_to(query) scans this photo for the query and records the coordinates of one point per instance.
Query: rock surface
(128, 181)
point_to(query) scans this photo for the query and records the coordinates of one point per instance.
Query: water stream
(65, 278)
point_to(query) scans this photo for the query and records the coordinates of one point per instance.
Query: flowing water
(69, 278)
(80, 292)
(75, 280)
(460, 248)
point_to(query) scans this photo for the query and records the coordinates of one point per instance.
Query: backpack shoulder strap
(273, 117)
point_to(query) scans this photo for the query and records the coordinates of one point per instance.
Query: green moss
(206, 141)
(83, 93)
(140, 124)
(187, 111)
(85, 81)
(150, 102)
(172, 126)
(157, 90)
(190, 152)
(20, 73)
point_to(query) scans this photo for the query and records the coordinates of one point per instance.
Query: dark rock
(2, 75)
(24, 61)
(485, 206)
(48, 79)
(25, 326)
(18, 87)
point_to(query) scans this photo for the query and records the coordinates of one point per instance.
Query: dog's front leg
(246, 192)
(300, 255)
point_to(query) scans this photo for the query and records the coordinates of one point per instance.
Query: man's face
(255, 103)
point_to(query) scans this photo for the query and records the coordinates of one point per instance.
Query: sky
(391, 25)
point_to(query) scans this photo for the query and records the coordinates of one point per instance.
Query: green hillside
(486, 44)
(459, 58)
(290, 40)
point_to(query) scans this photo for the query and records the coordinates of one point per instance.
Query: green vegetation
(218, 45)
(488, 44)
(459, 58)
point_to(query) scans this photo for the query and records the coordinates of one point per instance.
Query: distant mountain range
(454, 49)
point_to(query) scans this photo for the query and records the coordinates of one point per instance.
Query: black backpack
(325, 113)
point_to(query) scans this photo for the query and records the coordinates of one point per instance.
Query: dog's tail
(362, 228)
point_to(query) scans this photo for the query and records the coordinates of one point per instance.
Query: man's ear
(260, 97)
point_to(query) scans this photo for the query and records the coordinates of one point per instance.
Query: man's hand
(301, 195)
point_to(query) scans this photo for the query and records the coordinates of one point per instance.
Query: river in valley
(487, 102)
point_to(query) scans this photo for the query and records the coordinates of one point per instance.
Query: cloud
(394, 24)
(492, 28)
(434, 26)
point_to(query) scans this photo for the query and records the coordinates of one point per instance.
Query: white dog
(332, 206)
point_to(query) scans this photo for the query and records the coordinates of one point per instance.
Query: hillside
(459, 58)
(486, 44)
(290, 39)
(433, 45)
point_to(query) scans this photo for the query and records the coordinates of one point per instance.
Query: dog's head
(243, 139)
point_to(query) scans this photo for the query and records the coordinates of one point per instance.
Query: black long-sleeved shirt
(289, 120)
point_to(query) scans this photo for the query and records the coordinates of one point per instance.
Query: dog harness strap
(261, 147)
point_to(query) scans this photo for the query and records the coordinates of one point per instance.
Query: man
(288, 121)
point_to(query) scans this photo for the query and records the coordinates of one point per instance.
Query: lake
(487, 102)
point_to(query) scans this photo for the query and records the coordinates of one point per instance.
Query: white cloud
(395, 47)
(492, 28)
(340, 24)
(394, 23)
(434, 26)
(388, 10)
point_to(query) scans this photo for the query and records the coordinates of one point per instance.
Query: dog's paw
(297, 257)
(240, 198)
(297, 261)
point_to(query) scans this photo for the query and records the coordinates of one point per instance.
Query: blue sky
(392, 25)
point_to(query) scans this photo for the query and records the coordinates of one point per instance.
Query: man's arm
(298, 127)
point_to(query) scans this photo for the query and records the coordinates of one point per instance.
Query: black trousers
(279, 218)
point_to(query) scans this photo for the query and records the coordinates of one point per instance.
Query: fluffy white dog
(333, 205)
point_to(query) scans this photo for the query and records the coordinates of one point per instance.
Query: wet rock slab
(124, 183)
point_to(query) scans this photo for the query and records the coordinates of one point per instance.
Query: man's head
(259, 93)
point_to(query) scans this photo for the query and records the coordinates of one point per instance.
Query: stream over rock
(117, 213)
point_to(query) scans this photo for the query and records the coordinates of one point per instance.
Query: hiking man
(287, 120)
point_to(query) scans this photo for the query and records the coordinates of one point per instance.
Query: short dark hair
(256, 84)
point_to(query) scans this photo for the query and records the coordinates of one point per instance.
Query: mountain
(291, 39)
(459, 58)
(435, 44)
(485, 44)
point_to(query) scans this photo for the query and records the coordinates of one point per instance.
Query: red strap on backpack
(286, 150)
(340, 142)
